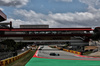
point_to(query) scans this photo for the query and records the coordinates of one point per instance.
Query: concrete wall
(34, 26)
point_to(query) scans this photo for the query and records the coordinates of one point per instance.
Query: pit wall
(12, 59)
(71, 51)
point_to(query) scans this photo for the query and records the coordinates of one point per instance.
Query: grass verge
(22, 61)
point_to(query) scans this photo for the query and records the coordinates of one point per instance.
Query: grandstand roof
(3, 17)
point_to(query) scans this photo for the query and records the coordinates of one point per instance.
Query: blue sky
(56, 13)
(46, 6)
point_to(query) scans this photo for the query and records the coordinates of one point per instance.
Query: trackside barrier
(71, 51)
(12, 59)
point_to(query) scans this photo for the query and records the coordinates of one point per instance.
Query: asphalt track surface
(46, 50)
(42, 58)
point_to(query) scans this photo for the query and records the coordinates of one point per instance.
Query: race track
(42, 58)
(46, 50)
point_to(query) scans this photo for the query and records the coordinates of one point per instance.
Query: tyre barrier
(12, 59)
(71, 51)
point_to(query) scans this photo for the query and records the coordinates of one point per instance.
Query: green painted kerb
(59, 62)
